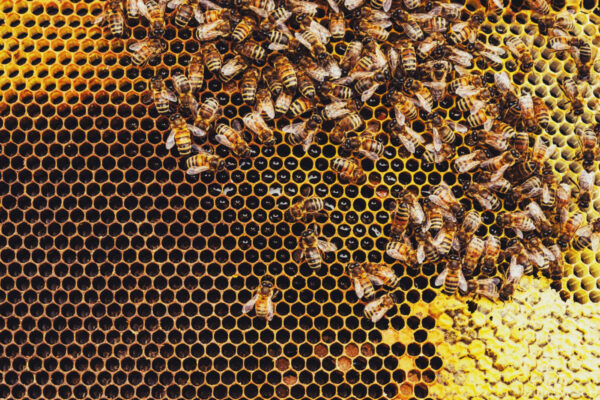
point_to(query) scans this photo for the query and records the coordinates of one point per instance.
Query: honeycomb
(123, 277)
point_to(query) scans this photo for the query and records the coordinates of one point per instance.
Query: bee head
(267, 281)
(175, 117)
(218, 164)
(352, 266)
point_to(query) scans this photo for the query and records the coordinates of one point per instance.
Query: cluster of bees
(417, 53)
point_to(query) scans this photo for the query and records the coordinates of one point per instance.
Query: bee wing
(369, 154)
(270, 311)
(387, 4)
(169, 95)
(174, 3)
(170, 140)
(143, 9)
(585, 231)
(462, 70)
(458, 27)
(132, 8)
(460, 128)
(421, 253)
(394, 253)
(294, 129)
(547, 253)
(196, 170)
(196, 131)
(248, 306)
(586, 180)
(462, 282)
(487, 125)
(400, 118)
(437, 140)
(423, 102)
(595, 242)
(326, 246)
(491, 56)
(137, 45)
(277, 46)
(367, 94)
(333, 5)
(467, 91)
(358, 289)
(410, 146)
(147, 98)
(378, 315)
(320, 31)
(303, 41)
(515, 271)
(439, 281)
(222, 139)
(376, 280)
(414, 135)
(101, 19)
(210, 5)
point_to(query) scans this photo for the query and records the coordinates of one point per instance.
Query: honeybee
(474, 102)
(399, 217)
(462, 31)
(401, 250)
(195, 72)
(367, 86)
(249, 85)
(154, 12)
(113, 15)
(531, 188)
(487, 287)
(203, 161)
(309, 206)
(404, 109)
(563, 20)
(539, 254)
(243, 29)
(376, 309)
(180, 134)
(347, 124)
(160, 95)
(283, 102)
(303, 132)
(490, 255)
(548, 196)
(183, 87)
(473, 253)
(409, 25)
(261, 7)
(435, 216)
(589, 146)
(264, 103)
(362, 284)
(563, 197)
(207, 113)
(184, 12)
(278, 40)
(409, 138)
(315, 71)
(374, 30)
(423, 95)
(262, 300)
(485, 197)
(588, 236)
(286, 72)
(519, 222)
(251, 50)
(511, 282)
(494, 182)
(541, 152)
(381, 274)
(571, 90)
(256, 124)
(469, 161)
(443, 131)
(484, 116)
(337, 92)
(539, 218)
(435, 154)
(586, 188)
(337, 25)
(232, 138)
(450, 11)
(442, 196)
(426, 249)
(542, 112)
(147, 51)
(569, 229)
(272, 80)
(351, 56)
(232, 67)
(539, 6)
(438, 72)
(452, 277)
(212, 30)
(131, 8)
(212, 14)
(445, 237)
(365, 145)
(311, 248)
(300, 106)
(465, 85)
(313, 39)
(212, 58)
(468, 228)
(557, 267)
(306, 85)
(348, 170)
(519, 255)
(417, 215)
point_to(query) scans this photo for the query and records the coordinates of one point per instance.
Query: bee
(450, 11)
(232, 138)
(412, 4)
(521, 143)
(443, 130)
(262, 300)
(160, 95)
(303, 8)
(586, 188)
(531, 188)
(300, 106)
(381, 274)
(367, 86)
(207, 113)
(588, 236)
(232, 67)
(557, 267)
(312, 39)
(539, 6)
(487, 287)
(445, 237)
(511, 282)
(243, 29)
(438, 154)
(264, 103)
(494, 182)
(203, 161)
(465, 85)
(548, 196)
(485, 197)
(131, 8)
(311, 248)
(583, 58)
(351, 56)
(272, 80)
(303, 132)
(517, 221)
(568, 230)
(211, 15)
(435, 216)
(347, 124)
(180, 135)
(484, 116)
(469, 161)
(462, 31)
(563, 198)
(212, 58)
(249, 85)
(184, 12)
(473, 253)
(365, 145)
(538, 253)
(542, 112)
(409, 25)
(539, 218)
(254, 122)
(490, 255)
(519, 255)
(362, 284)
(589, 146)
(563, 21)
(348, 170)
(306, 85)
(423, 95)
(154, 12)
(262, 8)
(305, 207)
(408, 57)
(314, 70)
(468, 228)
(503, 83)
(426, 249)
(404, 109)
(438, 71)
(540, 154)
(417, 215)
(283, 102)
(278, 40)
(113, 15)
(376, 309)
(183, 87)
(147, 51)
(252, 50)
(571, 90)
(212, 30)
(399, 217)
(474, 102)
(337, 25)
(195, 72)
(409, 138)
(374, 30)
(336, 110)
(443, 197)
(337, 92)
(401, 250)
(452, 277)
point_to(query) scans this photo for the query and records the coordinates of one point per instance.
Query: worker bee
(484, 116)
(557, 267)
(348, 170)
(365, 145)
(450, 11)
(409, 138)
(583, 58)
(305, 207)
(306, 85)
(147, 51)
(417, 215)
(263, 8)
(452, 277)
(283, 102)
(256, 124)
(539, 218)
(548, 196)
(399, 217)
(435, 216)
(421, 93)
(571, 90)
(588, 236)
(113, 15)
(490, 255)
(212, 30)
(313, 38)
(466, 31)
(485, 197)
(435, 154)
(442, 196)
(286, 72)
(494, 182)
(362, 284)
(542, 112)
(212, 58)
(232, 67)
(232, 138)
(180, 134)
(337, 25)
(337, 92)
(314, 70)
(409, 25)
(474, 102)
(311, 248)
(160, 95)
(404, 109)
(445, 237)
(538, 253)
(195, 72)
(438, 71)
(374, 30)
(185, 9)
(468, 228)
(300, 106)
(349, 123)
(443, 131)
(539, 6)
(249, 85)
(131, 8)
(183, 87)
(303, 132)
(519, 255)
(563, 198)
(469, 161)
(487, 287)
(531, 188)
(273, 81)
(243, 29)
(262, 300)
(465, 85)
(408, 57)
(212, 14)
(473, 253)
(154, 12)
(401, 250)
(264, 103)
(426, 249)
(251, 50)
(376, 309)
(207, 113)
(511, 282)
(381, 274)
(203, 161)
(586, 188)
(519, 222)
(367, 86)
(351, 56)
(588, 143)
